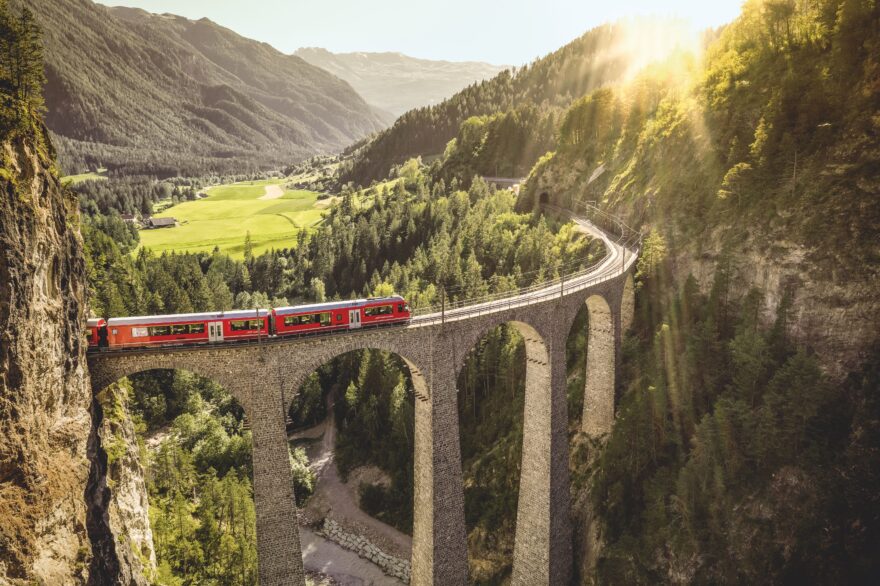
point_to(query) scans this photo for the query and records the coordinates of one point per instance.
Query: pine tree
(33, 75)
(248, 248)
(21, 56)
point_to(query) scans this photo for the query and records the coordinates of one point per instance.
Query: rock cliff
(121, 493)
(44, 385)
(61, 522)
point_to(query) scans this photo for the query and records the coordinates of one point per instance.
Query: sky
(503, 32)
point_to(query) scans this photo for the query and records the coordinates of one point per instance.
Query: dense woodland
(733, 458)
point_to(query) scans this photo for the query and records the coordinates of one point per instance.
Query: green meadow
(272, 214)
(99, 175)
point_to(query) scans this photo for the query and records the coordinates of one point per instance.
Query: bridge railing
(625, 241)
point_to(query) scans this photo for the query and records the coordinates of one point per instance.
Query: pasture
(99, 175)
(272, 214)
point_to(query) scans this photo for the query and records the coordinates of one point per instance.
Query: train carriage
(213, 327)
(187, 328)
(95, 330)
(336, 315)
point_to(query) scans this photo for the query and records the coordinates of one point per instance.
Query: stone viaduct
(264, 377)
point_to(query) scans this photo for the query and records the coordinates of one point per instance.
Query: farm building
(161, 223)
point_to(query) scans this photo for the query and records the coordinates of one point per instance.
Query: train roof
(186, 317)
(95, 322)
(333, 305)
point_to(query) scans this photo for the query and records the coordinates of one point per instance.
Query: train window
(400, 307)
(338, 317)
(196, 328)
(379, 310)
(244, 324)
(140, 332)
(310, 318)
(160, 330)
(178, 329)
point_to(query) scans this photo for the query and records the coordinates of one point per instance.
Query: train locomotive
(248, 324)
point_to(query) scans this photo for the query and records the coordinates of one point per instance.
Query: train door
(215, 331)
(354, 318)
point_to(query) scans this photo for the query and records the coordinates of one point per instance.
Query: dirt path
(336, 499)
(345, 567)
(273, 192)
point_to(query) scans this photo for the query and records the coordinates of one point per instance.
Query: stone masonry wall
(393, 566)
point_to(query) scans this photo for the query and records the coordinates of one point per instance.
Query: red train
(248, 324)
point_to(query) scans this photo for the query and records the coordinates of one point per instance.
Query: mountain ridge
(603, 55)
(166, 95)
(397, 82)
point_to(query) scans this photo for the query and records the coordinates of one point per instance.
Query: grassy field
(230, 212)
(99, 175)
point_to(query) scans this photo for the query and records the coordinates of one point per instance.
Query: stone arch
(399, 546)
(598, 410)
(544, 198)
(102, 375)
(438, 515)
(102, 378)
(421, 387)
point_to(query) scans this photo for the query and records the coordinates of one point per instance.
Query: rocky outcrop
(834, 313)
(123, 491)
(60, 521)
(834, 310)
(44, 386)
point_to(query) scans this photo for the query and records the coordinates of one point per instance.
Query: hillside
(747, 432)
(164, 95)
(766, 150)
(603, 55)
(397, 83)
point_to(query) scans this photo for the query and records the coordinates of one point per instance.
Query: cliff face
(44, 387)
(122, 497)
(71, 513)
(834, 310)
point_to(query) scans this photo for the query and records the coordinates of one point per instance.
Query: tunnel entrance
(544, 198)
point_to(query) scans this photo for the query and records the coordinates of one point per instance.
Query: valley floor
(344, 567)
(337, 500)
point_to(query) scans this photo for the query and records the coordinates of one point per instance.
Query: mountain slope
(603, 55)
(164, 95)
(763, 154)
(396, 82)
(734, 457)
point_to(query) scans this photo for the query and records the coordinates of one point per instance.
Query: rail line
(622, 245)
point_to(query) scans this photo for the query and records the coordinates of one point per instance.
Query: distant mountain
(540, 91)
(161, 94)
(398, 83)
